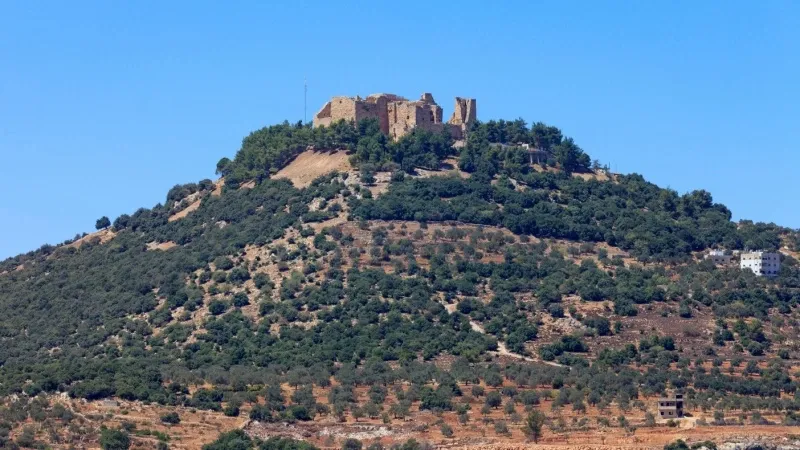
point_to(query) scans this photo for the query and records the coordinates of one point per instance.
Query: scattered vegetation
(260, 290)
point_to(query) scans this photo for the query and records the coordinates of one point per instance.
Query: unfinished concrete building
(397, 116)
(671, 406)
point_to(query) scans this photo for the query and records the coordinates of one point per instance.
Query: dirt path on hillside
(502, 348)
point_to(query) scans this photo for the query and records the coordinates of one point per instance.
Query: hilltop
(337, 283)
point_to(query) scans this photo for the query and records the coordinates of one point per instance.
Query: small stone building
(397, 116)
(719, 257)
(671, 406)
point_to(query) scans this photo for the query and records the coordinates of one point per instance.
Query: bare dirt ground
(218, 187)
(312, 164)
(786, 250)
(197, 427)
(185, 211)
(599, 175)
(480, 432)
(161, 245)
(565, 429)
(103, 236)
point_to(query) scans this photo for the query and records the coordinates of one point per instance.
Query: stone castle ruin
(397, 116)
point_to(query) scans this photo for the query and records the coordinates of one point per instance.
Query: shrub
(231, 410)
(217, 307)
(240, 299)
(171, 418)
(111, 439)
(555, 310)
(300, 412)
(223, 263)
(677, 445)
(351, 444)
(233, 440)
(260, 280)
(447, 430)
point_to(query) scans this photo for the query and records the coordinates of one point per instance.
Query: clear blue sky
(106, 105)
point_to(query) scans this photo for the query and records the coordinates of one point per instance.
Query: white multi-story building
(761, 263)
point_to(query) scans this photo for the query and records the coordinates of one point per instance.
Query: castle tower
(465, 112)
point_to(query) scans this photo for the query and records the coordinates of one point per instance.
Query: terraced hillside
(334, 284)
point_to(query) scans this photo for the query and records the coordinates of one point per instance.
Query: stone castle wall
(338, 108)
(398, 116)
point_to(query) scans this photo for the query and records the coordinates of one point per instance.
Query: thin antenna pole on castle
(305, 100)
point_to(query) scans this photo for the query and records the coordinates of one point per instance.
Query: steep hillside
(445, 293)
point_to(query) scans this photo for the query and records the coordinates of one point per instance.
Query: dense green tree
(114, 439)
(232, 440)
(533, 425)
(493, 399)
(102, 223)
(570, 157)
